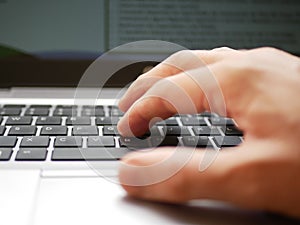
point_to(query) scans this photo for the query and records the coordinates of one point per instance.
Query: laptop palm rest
(18, 191)
(94, 200)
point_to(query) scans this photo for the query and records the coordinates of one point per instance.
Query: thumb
(174, 175)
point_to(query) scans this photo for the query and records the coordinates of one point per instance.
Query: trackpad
(18, 189)
(89, 201)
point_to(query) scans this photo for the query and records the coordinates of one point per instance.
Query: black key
(92, 112)
(68, 141)
(54, 130)
(35, 141)
(207, 114)
(196, 141)
(18, 120)
(8, 141)
(41, 106)
(99, 112)
(78, 121)
(14, 106)
(107, 120)
(85, 131)
(164, 141)
(65, 112)
(37, 112)
(0, 119)
(66, 107)
(110, 130)
(5, 154)
(232, 131)
(169, 122)
(32, 154)
(153, 132)
(103, 141)
(227, 141)
(193, 121)
(175, 131)
(93, 107)
(67, 154)
(116, 112)
(2, 130)
(48, 120)
(222, 121)
(22, 131)
(134, 142)
(113, 107)
(10, 111)
(206, 131)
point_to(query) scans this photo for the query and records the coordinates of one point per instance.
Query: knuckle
(224, 48)
(183, 60)
(142, 77)
(181, 53)
(267, 49)
(177, 57)
(145, 80)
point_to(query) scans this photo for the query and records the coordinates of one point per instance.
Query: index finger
(186, 93)
(175, 64)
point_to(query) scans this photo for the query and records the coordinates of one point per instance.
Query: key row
(60, 111)
(56, 120)
(64, 154)
(59, 106)
(110, 141)
(70, 148)
(68, 110)
(112, 130)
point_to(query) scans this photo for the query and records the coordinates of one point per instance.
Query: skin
(261, 91)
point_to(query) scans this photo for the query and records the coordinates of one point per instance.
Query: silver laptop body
(46, 50)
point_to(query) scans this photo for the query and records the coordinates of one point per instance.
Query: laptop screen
(51, 43)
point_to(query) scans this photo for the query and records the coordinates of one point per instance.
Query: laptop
(63, 66)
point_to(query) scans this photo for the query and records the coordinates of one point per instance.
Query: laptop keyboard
(73, 133)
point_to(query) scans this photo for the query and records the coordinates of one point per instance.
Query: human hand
(261, 90)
